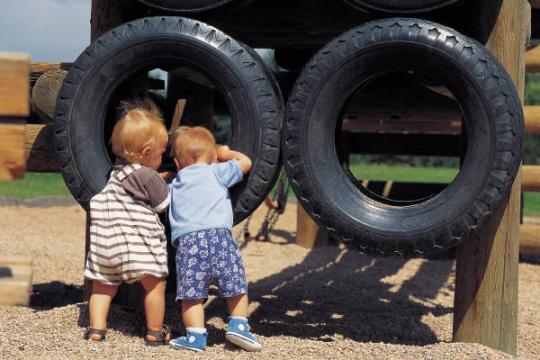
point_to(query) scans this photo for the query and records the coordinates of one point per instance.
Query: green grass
(36, 185)
(403, 173)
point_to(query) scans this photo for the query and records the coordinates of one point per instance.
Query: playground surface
(326, 303)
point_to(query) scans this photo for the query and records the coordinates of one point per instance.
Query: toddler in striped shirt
(127, 239)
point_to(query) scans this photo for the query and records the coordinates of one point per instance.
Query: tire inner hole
(401, 138)
(175, 90)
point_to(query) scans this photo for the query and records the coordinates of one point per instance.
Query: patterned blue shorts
(207, 256)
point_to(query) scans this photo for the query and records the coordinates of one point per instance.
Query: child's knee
(150, 283)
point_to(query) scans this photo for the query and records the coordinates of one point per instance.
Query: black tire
(400, 6)
(249, 89)
(493, 120)
(189, 6)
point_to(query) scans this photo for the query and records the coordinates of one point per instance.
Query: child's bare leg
(193, 313)
(154, 304)
(238, 305)
(99, 304)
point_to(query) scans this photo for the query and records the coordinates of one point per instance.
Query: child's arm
(226, 154)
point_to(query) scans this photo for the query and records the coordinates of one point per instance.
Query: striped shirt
(127, 239)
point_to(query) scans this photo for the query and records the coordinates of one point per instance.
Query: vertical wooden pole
(308, 233)
(107, 14)
(485, 304)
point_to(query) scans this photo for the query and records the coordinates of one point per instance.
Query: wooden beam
(39, 149)
(375, 121)
(530, 239)
(530, 180)
(14, 108)
(485, 302)
(14, 88)
(15, 279)
(405, 144)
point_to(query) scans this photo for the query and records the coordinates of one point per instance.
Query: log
(39, 68)
(532, 119)
(530, 180)
(40, 153)
(45, 92)
(485, 302)
(530, 239)
(15, 279)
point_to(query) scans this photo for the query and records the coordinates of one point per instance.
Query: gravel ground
(325, 303)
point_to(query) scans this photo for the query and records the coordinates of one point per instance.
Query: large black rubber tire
(493, 120)
(189, 6)
(253, 98)
(400, 6)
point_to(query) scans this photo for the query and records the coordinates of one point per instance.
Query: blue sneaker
(238, 333)
(192, 341)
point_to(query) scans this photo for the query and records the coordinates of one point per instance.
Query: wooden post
(14, 109)
(485, 304)
(108, 14)
(308, 233)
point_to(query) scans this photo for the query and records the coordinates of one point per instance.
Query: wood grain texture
(12, 159)
(530, 180)
(14, 87)
(15, 279)
(39, 149)
(530, 239)
(308, 233)
(485, 303)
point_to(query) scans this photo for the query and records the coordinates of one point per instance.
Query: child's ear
(146, 150)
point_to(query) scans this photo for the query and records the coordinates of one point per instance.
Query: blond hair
(192, 143)
(140, 126)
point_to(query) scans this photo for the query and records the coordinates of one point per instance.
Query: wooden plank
(405, 144)
(12, 159)
(532, 119)
(530, 180)
(378, 122)
(530, 239)
(308, 233)
(485, 302)
(15, 279)
(14, 88)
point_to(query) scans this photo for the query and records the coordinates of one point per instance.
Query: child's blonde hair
(141, 125)
(190, 143)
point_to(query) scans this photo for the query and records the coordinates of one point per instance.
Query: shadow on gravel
(337, 293)
(54, 294)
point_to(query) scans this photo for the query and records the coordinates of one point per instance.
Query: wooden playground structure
(485, 308)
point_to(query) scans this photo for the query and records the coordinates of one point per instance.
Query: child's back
(200, 197)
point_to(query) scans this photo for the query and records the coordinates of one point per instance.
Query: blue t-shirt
(200, 197)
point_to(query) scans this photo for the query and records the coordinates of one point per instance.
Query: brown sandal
(100, 332)
(161, 335)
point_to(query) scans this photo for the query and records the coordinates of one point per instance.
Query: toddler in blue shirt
(201, 219)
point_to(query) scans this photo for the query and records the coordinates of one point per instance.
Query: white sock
(239, 318)
(197, 330)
